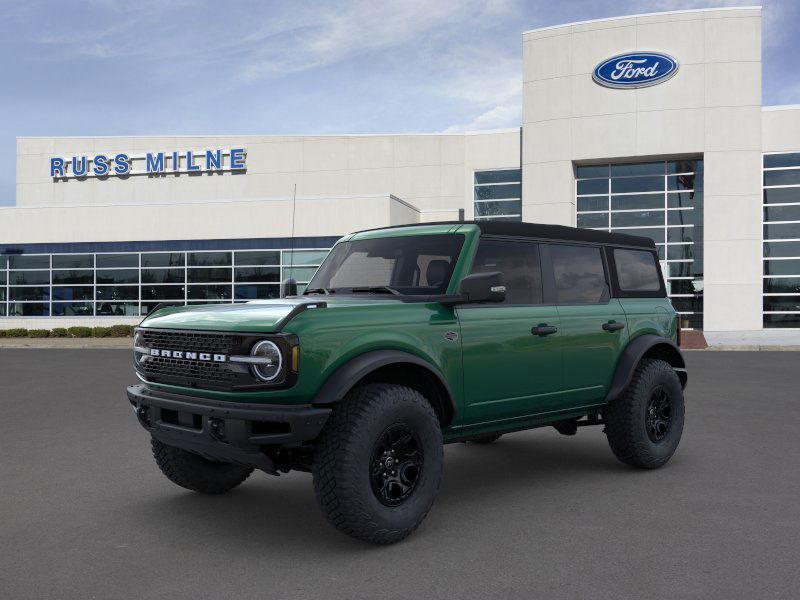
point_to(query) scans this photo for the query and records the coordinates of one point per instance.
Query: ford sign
(635, 70)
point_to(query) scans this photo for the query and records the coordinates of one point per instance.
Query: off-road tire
(193, 472)
(486, 439)
(344, 455)
(626, 423)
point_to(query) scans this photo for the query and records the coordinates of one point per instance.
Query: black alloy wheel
(395, 465)
(658, 415)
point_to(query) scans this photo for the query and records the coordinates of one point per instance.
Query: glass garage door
(662, 200)
(781, 301)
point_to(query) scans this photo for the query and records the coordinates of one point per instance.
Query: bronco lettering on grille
(204, 356)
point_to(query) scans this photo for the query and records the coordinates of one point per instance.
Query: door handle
(613, 326)
(543, 330)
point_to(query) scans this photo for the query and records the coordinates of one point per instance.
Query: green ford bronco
(408, 338)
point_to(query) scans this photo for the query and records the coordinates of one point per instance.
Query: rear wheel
(645, 425)
(193, 472)
(378, 463)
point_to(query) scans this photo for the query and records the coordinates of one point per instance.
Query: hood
(259, 316)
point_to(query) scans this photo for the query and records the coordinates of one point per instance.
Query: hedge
(71, 332)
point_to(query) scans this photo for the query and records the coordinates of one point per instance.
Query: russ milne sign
(635, 70)
(151, 163)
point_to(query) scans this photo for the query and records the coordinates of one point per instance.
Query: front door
(593, 325)
(511, 350)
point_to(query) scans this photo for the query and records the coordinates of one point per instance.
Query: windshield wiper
(375, 289)
(325, 291)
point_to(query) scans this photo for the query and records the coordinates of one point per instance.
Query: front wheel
(644, 426)
(196, 473)
(378, 463)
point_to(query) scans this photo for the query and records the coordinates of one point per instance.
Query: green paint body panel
(501, 376)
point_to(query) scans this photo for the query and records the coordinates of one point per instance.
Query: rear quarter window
(637, 271)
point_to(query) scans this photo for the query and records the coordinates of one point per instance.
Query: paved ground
(84, 513)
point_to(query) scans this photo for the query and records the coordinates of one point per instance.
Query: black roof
(546, 232)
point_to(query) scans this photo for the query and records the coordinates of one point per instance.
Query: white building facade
(106, 228)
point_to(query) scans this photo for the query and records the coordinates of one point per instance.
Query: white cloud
(497, 117)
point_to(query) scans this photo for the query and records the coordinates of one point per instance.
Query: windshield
(414, 264)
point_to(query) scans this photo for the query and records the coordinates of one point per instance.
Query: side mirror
(288, 288)
(483, 287)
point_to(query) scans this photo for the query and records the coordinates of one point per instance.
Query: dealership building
(647, 124)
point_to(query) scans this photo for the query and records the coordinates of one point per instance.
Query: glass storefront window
(251, 257)
(29, 262)
(108, 284)
(258, 274)
(29, 293)
(118, 276)
(303, 257)
(163, 275)
(497, 195)
(112, 261)
(781, 288)
(209, 259)
(209, 292)
(28, 309)
(63, 277)
(73, 261)
(73, 309)
(163, 259)
(253, 292)
(661, 200)
(208, 275)
(73, 292)
(29, 278)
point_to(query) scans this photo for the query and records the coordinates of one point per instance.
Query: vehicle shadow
(266, 511)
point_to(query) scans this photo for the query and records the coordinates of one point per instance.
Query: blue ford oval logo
(635, 70)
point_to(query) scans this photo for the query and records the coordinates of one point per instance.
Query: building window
(131, 284)
(781, 299)
(498, 195)
(662, 200)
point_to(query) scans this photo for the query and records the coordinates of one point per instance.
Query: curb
(753, 348)
(67, 343)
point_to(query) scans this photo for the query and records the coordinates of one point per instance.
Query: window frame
(551, 272)
(617, 290)
(511, 239)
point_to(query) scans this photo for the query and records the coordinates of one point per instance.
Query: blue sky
(151, 67)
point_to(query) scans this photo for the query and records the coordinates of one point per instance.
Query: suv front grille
(201, 373)
(215, 372)
(191, 341)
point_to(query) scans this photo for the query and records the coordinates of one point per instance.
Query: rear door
(593, 325)
(512, 350)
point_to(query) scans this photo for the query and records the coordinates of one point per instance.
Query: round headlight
(138, 346)
(269, 367)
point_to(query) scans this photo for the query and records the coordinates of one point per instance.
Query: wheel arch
(645, 346)
(391, 366)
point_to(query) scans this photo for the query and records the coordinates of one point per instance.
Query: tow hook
(217, 429)
(143, 414)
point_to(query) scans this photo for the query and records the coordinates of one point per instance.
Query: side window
(579, 274)
(519, 264)
(637, 270)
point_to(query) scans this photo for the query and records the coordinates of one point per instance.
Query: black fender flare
(633, 354)
(350, 373)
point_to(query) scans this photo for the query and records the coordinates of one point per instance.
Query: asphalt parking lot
(85, 513)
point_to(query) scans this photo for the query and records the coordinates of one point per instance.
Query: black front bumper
(227, 431)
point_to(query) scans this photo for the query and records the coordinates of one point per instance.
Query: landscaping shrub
(59, 332)
(38, 333)
(101, 332)
(121, 330)
(17, 332)
(80, 332)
